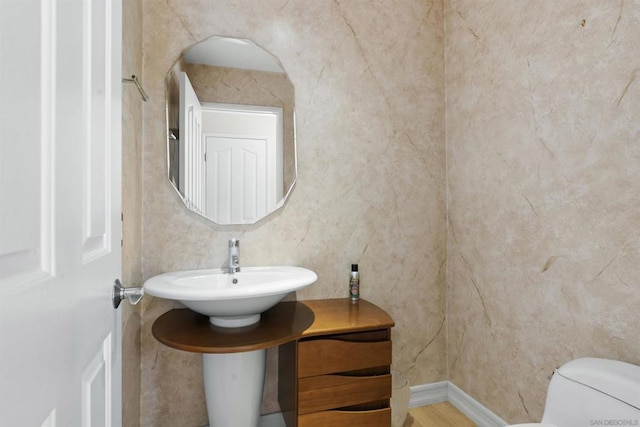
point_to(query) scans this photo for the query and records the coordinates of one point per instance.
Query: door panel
(96, 102)
(96, 396)
(26, 234)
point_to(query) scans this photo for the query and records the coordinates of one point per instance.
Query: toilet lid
(619, 380)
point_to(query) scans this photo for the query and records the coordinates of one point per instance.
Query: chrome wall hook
(135, 80)
(134, 295)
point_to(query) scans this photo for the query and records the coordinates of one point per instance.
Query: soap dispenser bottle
(354, 283)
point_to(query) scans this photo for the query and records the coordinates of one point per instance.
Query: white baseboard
(446, 391)
(428, 394)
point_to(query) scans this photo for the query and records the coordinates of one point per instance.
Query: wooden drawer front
(319, 357)
(337, 391)
(377, 418)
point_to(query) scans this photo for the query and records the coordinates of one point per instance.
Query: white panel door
(60, 230)
(236, 168)
(244, 168)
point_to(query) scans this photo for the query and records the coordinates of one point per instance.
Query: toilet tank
(594, 392)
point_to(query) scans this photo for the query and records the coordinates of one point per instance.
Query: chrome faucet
(234, 256)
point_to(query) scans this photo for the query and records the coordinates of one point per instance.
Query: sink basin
(230, 300)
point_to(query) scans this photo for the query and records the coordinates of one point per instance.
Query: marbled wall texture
(131, 208)
(369, 82)
(543, 170)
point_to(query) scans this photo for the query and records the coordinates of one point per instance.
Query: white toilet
(592, 392)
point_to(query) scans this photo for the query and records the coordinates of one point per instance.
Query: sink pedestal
(233, 386)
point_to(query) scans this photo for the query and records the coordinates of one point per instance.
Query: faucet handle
(234, 243)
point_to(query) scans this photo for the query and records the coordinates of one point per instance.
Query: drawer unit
(327, 356)
(338, 373)
(338, 391)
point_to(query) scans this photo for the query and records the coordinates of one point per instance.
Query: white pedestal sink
(234, 381)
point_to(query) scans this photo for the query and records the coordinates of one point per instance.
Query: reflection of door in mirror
(191, 150)
(244, 170)
(230, 158)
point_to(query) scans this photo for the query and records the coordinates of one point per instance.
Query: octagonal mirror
(231, 149)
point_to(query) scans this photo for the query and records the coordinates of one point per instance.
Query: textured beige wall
(131, 208)
(369, 84)
(543, 170)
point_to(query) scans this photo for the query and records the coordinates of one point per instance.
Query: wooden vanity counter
(334, 365)
(187, 330)
(334, 316)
